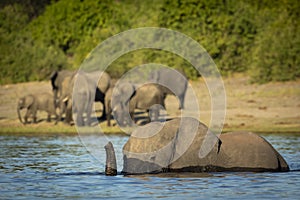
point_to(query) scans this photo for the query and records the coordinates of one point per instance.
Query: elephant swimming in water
(187, 145)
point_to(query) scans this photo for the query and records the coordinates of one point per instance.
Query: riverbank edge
(65, 130)
(271, 108)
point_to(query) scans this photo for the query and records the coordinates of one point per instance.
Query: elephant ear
(127, 91)
(67, 86)
(53, 79)
(29, 100)
(103, 82)
(122, 93)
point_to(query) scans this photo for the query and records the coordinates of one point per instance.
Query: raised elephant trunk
(111, 163)
(19, 115)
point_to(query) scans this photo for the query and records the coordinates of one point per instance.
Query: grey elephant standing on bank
(65, 99)
(34, 103)
(83, 98)
(187, 145)
(57, 78)
(103, 84)
(126, 98)
(62, 85)
(173, 82)
(88, 88)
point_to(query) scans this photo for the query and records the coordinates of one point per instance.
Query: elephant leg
(68, 118)
(81, 109)
(56, 103)
(124, 120)
(61, 111)
(108, 116)
(108, 120)
(34, 118)
(49, 117)
(68, 112)
(100, 97)
(104, 115)
(79, 119)
(56, 116)
(181, 102)
(154, 112)
(132, 119)
(149, 116)
(28, 113)
(89, 112)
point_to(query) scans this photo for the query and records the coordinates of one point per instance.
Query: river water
(38, 167)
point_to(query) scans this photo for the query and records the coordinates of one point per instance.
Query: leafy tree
(277, 45)
(259, 37)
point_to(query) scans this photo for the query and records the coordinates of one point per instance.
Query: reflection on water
(61, 167)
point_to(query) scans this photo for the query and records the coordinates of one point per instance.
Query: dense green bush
(260, 38)
(276, 49)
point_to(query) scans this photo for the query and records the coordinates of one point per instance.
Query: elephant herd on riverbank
(74, 92)
(181, 144)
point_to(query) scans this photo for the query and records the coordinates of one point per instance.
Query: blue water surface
(61, 167)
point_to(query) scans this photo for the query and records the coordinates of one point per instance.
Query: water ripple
(61, 167)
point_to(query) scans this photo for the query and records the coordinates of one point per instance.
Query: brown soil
(269, 108)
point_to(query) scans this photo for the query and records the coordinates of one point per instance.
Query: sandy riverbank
(268, 108)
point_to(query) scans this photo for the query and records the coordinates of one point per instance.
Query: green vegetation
(259, 37)
(46, 129)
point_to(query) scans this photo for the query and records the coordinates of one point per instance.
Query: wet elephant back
(249, 151)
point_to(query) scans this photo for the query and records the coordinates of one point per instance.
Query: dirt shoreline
(268, 108)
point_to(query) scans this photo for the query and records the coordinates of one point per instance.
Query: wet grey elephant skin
(173, 82)
(174, 149)
(126, 98)
(36, 102)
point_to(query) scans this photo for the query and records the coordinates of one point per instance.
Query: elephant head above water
(187, 145)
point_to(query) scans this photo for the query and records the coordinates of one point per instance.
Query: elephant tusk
(65, 99)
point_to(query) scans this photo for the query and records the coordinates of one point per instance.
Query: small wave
(295, 170)
(81, 173)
